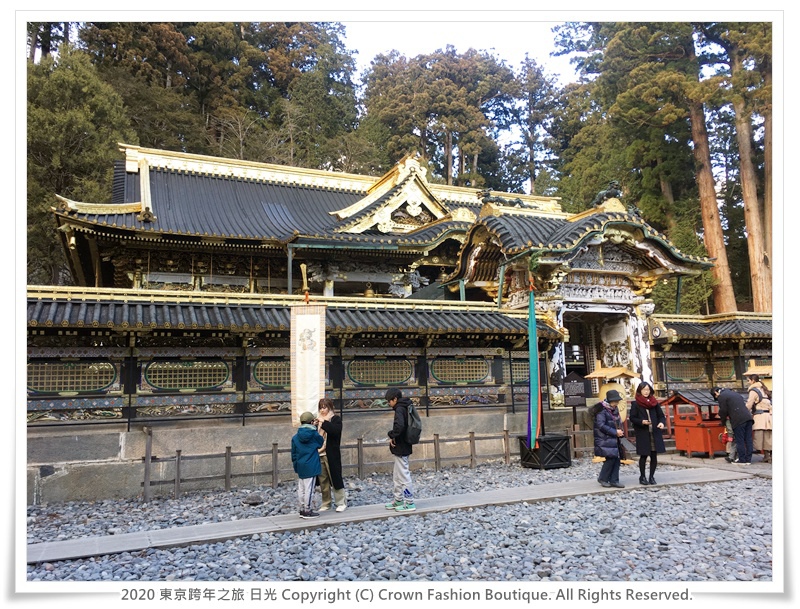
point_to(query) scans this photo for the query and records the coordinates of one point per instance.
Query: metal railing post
(177, 474)
(437, 456)
(227, 468)
(507, 446)
(274, 465)
(148, 457)
(360, 458)
(472, 450)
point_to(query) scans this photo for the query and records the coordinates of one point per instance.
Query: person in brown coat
(759, 401)
(330, 427)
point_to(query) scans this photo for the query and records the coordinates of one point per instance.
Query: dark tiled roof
(434, 231)
(192, 204)
(43, 313)
(734, 328)
(699, 397)
(518, 232)
(217, 206)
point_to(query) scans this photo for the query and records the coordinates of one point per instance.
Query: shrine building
(184, 283)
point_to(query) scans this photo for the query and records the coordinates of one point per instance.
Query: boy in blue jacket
(305, 459)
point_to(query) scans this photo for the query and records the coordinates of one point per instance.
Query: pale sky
(508, 40)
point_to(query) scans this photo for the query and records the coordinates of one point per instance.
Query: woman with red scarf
(648, 420)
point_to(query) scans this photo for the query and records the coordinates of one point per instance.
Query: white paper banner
(308, 359)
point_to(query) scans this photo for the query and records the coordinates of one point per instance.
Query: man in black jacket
(403, 488)
(732, 406)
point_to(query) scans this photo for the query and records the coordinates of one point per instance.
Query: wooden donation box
(554, 450)
(695, 422)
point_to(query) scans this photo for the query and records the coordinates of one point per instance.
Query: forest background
(680, 114)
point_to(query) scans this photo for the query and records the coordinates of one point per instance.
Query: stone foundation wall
(88, 464)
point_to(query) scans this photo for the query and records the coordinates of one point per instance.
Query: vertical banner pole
(534, 395)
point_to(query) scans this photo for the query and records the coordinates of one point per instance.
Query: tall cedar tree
(532, 114)
(74, 123)
(657, 64)
(443, 104)
(746, 46)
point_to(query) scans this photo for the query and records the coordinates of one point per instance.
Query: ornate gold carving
(462, 214)
(643, 285)
(146, 216)
(619, 236)
(65, 204)
(613, 204)
(553, 279)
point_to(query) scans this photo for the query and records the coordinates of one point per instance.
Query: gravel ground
(698, 532)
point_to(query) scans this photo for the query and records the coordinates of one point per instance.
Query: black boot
(652, 480)
(643, 480)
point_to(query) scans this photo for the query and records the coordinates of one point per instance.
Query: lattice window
(592, 356)
(686, 370)
(724, 370)
(187, 375)
(273, 373)
(380, 371)
(466, 370)
(52, 377)
(763, 361)
(520, 368)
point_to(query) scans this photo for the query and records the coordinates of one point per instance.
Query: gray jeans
(403, 488)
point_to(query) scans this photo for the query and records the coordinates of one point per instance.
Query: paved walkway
(698, 471)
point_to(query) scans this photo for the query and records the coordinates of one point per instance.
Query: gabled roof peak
(607, 206)
(399, 202)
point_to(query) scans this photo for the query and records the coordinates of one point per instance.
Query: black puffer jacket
(606, 423)
(732, 406)
(401, 448)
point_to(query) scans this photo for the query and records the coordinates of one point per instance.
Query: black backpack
(414, 427)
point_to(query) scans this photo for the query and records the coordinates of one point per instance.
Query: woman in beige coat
(760, 404)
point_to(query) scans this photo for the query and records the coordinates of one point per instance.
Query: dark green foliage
(74, 123)
(695, 291)
(443, 105)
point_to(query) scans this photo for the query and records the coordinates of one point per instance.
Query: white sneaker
(341, 508)
(324, 508)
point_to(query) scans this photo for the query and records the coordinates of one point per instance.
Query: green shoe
(393, 505)
(405, 507)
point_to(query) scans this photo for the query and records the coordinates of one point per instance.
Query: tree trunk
(760, 272)
(722, 291)
(46, 38)
(767, 216)
(448, 157)
(531, 165)
(34, 38)
(669, 197)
